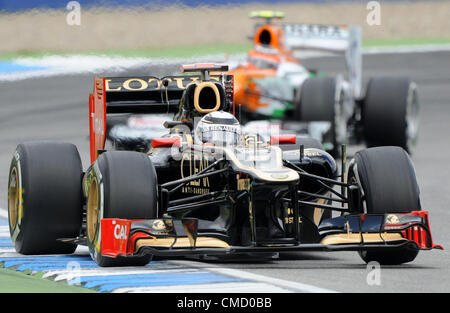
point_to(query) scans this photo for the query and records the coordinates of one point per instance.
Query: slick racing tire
(44, 197)
(388, 182)
(322, 99)
(120, 184)
(390, 113)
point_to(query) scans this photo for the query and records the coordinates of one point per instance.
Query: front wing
(179, 237)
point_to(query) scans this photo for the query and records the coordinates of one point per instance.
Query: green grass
(170, 52)
(16, 282)
(189, 51)
(405, 42)
(208, 49)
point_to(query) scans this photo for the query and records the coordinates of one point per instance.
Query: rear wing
(341, 39)
(139, 95)
(147, 94)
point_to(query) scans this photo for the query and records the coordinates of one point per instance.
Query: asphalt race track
(56, 108)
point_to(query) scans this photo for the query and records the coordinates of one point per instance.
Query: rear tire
(44, 197)
(127, 181)
(391, 113)
(388, 182)
(322, 99)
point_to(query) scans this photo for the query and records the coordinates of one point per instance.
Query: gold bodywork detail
(289, 220)
(355, 238)
(152, 83)
(243, 183)
(291, 175)
(198, 186)
(183, 242)
(318, 212)
(197, 91)
(143, 83)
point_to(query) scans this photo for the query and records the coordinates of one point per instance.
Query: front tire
(44, 197)
(121, 184)
(388, 182)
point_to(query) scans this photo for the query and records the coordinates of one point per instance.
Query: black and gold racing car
(207, 188)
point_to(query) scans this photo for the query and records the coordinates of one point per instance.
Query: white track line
(4, 231)
(241, 287)
(285, 284)
(70, 274)
(3, 213)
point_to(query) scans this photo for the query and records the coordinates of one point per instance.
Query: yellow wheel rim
(92, 210)
(13, 198)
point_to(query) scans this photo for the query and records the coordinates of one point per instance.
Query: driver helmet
(218, 128)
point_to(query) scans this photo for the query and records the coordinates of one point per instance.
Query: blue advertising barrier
(14, 5)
